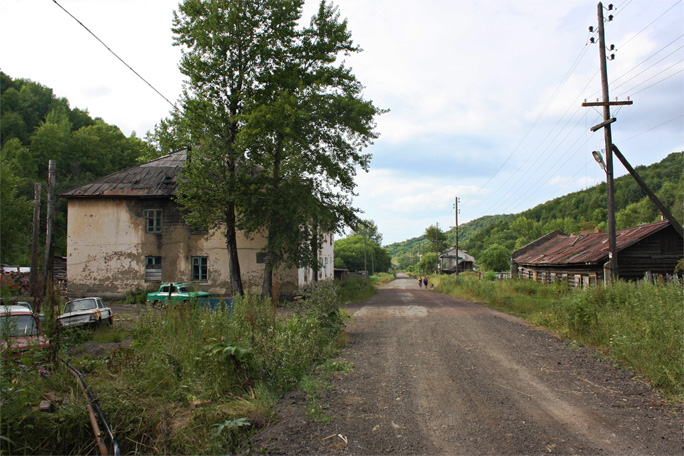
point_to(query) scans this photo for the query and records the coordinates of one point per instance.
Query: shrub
(354, 289)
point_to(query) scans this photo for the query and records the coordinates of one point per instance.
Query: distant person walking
(425, 282)
(420, 282)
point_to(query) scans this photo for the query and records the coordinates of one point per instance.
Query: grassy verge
(355, 289)
(640, 325)
(381, 278)
(194, 381)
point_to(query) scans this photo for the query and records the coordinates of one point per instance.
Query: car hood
(21, 343)
(81, 313)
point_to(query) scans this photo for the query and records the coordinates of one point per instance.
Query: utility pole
(33, 278)
(456, 215)
(50, 235)
(608, 138)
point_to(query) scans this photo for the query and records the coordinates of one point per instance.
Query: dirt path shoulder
(437, 375)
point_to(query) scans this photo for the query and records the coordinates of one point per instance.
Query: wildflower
(43, 372)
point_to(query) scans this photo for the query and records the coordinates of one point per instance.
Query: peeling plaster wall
(103, 247)
(107, 246)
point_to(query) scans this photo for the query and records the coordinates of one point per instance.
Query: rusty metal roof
(593, 248)
(156, 178)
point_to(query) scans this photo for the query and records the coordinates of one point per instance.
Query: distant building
(449, 260)
(581, 259)
(125, 231)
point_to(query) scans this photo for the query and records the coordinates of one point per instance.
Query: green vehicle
(175, 292)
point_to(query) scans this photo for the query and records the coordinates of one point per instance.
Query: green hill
(580, 211)
(37, 126)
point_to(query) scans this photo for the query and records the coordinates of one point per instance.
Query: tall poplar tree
(307, 132)
(281, 126)
(227, 47)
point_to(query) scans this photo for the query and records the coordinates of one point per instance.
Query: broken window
(153, 269)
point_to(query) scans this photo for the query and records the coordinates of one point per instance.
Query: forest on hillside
(38, 126)
(493, 237)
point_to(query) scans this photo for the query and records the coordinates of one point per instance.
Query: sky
(484, 97)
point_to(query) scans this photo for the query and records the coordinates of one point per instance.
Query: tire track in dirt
(437, 375)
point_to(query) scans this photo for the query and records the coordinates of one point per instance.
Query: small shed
(581, 259)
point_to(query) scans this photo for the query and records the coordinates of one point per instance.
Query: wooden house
(449, 259)
(581, 259)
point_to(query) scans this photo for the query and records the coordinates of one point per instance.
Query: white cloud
(465, 81)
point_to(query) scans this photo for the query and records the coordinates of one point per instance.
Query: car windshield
(81, 304)
(18, 325)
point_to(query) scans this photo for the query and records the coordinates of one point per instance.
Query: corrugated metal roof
(152, 179)
(587, 248)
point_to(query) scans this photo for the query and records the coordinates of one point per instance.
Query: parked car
(19, 330)
(41, 316)
(86, 311)
(175, 292)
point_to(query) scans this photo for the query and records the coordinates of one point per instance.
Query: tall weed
(355, 289)
(194, 380)
(640, 324)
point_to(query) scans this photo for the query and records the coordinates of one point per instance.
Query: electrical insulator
(612, 47)
(591, 28)
(592, 40)
(610, 17)
(610, 7)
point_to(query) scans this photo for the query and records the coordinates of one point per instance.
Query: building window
(154, 220)
(200, 271)
(153, 269)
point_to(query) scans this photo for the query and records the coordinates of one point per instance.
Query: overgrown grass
(355, 289)
(193, 381)
(639, 324)
(381, 278)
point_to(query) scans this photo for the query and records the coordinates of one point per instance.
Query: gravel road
(437, 375)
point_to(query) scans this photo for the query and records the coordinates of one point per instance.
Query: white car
(86, 311)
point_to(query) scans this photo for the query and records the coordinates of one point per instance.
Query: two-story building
(125, 232)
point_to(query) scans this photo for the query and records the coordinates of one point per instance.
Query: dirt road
(437, 375)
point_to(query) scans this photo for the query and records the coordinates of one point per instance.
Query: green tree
(226, 51)
(15, 210)
(496, 258)
(357, 253)
(428, 263)
(369, 229)
(436, 239)
(281, 125)
(306, 132)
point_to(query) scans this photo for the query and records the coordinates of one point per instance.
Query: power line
(652, 22)
(653, 128)
(655, 83)
(650, 57)
(621, 8)
(548, 103)
(115, 55)
(646, 69)
(520, 178)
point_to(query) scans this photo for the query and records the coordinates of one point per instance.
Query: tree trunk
(314, 250)
(272, 259)
(267, 284)
(231, 245)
